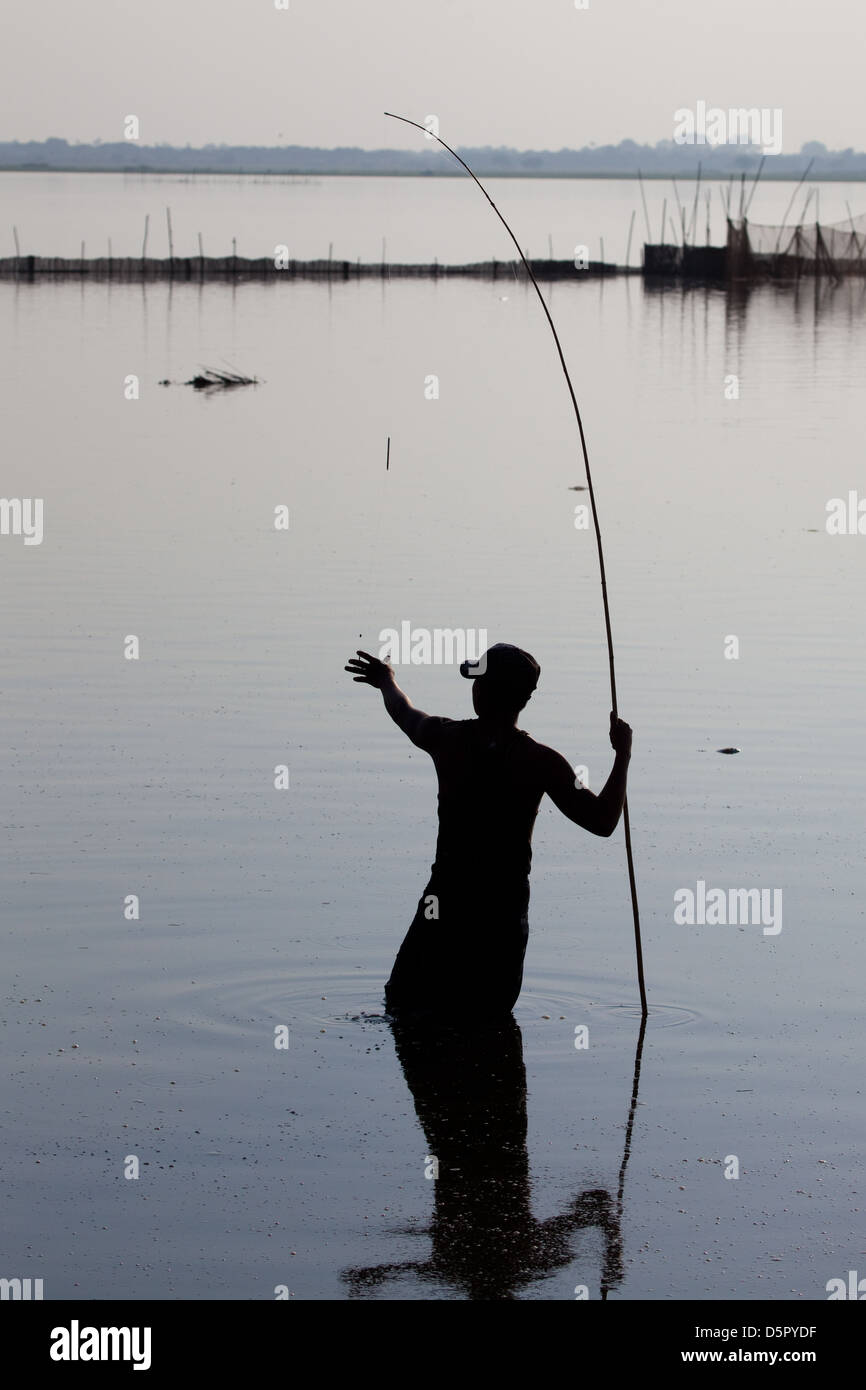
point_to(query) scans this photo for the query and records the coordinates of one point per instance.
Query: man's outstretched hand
(370, 670)
(620, 734)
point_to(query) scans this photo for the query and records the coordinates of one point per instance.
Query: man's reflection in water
(469, 1088)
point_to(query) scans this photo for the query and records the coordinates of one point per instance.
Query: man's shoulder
(446, 724)
(433, 729)
(538, 755)
(453, 731)
(533, 747)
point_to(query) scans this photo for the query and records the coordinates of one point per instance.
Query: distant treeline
(663, 159)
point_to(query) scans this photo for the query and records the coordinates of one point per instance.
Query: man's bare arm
(371, 671)
(597, 814)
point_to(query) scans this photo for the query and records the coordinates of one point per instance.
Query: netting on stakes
(805, 245)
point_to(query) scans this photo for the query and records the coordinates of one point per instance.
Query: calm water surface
(260, 908)
(418, 219)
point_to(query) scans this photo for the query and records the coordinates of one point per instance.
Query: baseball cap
(506, 665)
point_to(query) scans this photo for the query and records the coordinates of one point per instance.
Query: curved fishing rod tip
(408, 120)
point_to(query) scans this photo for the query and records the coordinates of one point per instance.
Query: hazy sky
(530, 73)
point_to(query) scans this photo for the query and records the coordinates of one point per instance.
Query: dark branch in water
(209, 380)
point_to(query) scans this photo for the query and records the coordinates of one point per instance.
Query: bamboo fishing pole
(578, 417)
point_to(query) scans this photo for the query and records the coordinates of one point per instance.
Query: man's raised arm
(371, 671)
(597, 814)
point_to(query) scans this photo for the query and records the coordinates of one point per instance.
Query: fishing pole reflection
(469, 1089)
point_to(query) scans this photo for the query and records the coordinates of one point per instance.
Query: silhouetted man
(463, 954)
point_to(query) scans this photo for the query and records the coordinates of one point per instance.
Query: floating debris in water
(210, 380)
(727, 750)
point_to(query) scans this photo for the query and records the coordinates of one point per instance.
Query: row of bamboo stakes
(684, 234)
